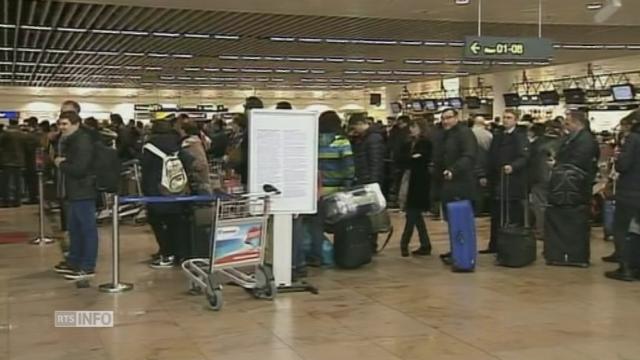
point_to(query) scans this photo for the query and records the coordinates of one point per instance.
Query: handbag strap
(155, 150)
(386, 242)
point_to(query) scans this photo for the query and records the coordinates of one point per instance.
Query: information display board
(283, 152)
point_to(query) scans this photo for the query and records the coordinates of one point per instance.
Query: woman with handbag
(415, 187)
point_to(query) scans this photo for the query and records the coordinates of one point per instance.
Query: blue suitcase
(462, 236)
(608, 211)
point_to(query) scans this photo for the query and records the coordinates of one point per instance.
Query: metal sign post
(115, 286)
(41, 239)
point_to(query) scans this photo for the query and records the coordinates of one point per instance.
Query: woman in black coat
(415, 160)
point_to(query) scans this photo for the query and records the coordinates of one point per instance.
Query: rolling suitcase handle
(505, 206)
(505, 209)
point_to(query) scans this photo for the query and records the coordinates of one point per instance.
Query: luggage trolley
(237, 243)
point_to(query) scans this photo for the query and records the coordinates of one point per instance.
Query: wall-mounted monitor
(430, 105)
(575, 96)
(624, 92)
(473, 102)
(531, 100)
(511, 100)
(417, 105)
(456, 103)
(549, 97)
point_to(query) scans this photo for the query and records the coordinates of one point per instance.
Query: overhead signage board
(147, 107)
(507, 48)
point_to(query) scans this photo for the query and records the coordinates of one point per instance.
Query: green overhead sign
(507, 48)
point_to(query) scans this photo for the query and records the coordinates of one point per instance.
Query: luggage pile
(349, 214)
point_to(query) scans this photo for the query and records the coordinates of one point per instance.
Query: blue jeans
(83, 233)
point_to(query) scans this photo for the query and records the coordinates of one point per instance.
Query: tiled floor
(393, 309)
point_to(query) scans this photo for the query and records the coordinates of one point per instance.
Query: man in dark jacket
(567, 225)
(12, 161)
(580, 147)
(31, 144)
(543, 149)
(80, 196)
(484, 138)
(455, 164)
(506, 173)
(368, 150)
(169, 222)
(627, 207)
(126, 140)
(219, 139)
(398, 137)
(368, 153)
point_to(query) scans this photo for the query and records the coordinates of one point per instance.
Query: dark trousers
(31, 184)
(414, 219)
(297, 255)
(316, 227)
(83, 233)
(172, 232)
(622, 219)
(11, 186)
(515, 217)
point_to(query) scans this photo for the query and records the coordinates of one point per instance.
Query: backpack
(107, 167)
(174, 177)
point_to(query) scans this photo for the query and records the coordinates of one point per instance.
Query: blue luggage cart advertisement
(238, 243)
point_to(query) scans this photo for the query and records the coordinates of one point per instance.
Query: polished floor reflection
(393, 309)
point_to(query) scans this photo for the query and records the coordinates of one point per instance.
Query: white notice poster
(283, 152)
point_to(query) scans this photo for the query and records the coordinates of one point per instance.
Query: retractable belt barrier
(115, 286)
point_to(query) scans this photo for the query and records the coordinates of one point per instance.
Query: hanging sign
(507, 48)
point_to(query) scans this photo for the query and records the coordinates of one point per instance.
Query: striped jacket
(335, 163)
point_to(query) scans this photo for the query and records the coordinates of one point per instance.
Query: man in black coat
(567, 218)
(543, 149)
(455, 162)
(627, 207)
(506, 174)
(398, 138)
(79, 187)
(368, 151)
(12, 162)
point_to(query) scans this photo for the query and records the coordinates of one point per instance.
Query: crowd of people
(421, 163)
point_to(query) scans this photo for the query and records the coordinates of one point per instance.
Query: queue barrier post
(115, 286)
(41, 239)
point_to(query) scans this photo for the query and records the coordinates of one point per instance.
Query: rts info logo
(84, 318)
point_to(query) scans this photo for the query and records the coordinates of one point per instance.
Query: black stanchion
(115, 286)
(41, 239)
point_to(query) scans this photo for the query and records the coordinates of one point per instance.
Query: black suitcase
(201, 230)
(352, 242)
(567, 236)
(516, 245)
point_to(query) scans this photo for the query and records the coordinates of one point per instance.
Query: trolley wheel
(265, 284)
(214, 297)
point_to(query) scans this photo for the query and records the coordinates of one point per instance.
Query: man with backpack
(79, 192)
(163, 174)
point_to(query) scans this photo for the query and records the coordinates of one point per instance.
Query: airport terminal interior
(239, 180)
